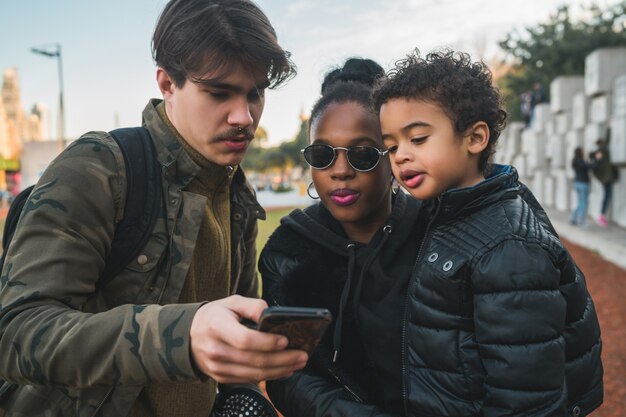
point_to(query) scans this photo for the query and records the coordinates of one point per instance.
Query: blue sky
(109, 74)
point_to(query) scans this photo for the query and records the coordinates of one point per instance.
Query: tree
(558, 47)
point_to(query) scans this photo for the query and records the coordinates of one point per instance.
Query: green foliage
(261, 159)
(559, 47)
(267, 226)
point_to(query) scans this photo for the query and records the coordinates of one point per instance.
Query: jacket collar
(177, 163)
(502, 183)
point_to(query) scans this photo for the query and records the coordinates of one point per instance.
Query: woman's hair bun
(359, 70)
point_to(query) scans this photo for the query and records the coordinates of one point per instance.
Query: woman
(352, 253)
(581, 185)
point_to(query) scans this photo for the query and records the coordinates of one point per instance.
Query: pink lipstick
(344, 196)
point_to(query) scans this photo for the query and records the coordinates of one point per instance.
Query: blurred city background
(72, 66)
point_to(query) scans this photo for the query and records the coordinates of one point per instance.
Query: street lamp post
(56, 53)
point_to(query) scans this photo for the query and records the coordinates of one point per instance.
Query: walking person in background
(606, 173)
(157, 338)
(581, 185)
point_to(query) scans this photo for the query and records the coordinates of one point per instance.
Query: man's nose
(240, 114)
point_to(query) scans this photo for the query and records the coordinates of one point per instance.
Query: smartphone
(304, 327)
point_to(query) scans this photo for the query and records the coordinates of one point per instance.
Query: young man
(157, 339)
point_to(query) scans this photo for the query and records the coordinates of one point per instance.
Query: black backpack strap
(143, 199)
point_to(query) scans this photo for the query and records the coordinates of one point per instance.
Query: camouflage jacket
(70, 349)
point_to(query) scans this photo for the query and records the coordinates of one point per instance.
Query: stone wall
(581, 110)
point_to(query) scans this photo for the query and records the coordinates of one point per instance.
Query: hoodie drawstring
(346, 288)
(343, 300)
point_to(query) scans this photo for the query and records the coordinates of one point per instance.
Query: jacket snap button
(174, 201)
(447, 266)
(576, 411)
(433, 257)
(142, 259)
(237, 216)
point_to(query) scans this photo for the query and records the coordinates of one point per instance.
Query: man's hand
(229, 352)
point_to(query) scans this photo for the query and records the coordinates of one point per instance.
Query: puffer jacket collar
(501, 184)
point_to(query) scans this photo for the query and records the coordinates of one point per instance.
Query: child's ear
(478, 137)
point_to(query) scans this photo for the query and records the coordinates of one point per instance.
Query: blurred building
(16, 127)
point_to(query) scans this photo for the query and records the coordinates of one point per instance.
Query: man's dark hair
(194, 38)
(463, 89)
(351, 83)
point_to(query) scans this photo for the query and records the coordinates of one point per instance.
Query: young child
(498, 320)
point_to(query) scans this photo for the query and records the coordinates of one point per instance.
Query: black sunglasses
(361, 158)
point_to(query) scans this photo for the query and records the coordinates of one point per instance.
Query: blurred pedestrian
(581, 185)
(526, 106)
(606, 173)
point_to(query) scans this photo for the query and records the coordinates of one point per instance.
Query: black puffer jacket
(498, 319)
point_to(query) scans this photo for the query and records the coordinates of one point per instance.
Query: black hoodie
(309, 262)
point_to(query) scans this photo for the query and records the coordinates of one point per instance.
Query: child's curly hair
(462, 88)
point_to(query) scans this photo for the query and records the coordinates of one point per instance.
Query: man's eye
(219, 95)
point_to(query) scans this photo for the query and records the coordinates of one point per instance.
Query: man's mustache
(235, 133)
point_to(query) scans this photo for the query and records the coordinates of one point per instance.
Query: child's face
(427, 156)
(354, 198)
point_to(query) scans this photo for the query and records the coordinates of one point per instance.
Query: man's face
(217, 118)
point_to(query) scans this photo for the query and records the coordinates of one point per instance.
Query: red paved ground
(607, 285)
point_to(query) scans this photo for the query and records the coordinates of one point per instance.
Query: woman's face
(360, 201)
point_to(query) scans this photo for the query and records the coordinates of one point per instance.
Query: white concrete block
(593, 132)
(617, 144)
(562, 90)
(550, 128)
(519, 162)
(557, 151)
(580, 110)
(602, 67)
(541, 116)
(573, 139)
(562, 190)
(573, 198)
(600, 108)
(618, 212)
(537, 186)
(548, 191)
(515, 135)
(619, 96)
(537, 153)
(528, 137)
(563, 122)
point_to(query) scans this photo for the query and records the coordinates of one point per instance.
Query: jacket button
(576, 411)
(174, 201)
(447, 266)
(237, 216)
(142, 259)
(433, 257)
